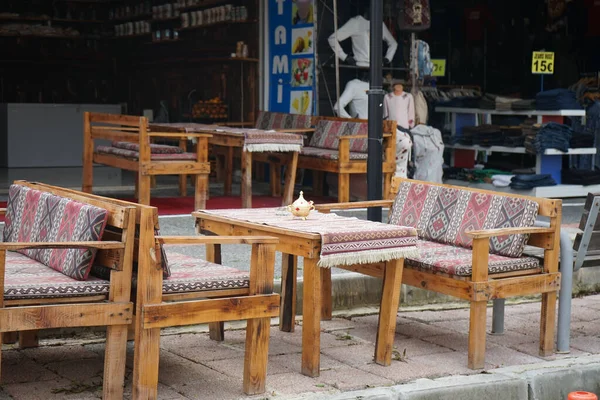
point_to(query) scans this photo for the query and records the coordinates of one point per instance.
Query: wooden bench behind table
(131, 150)
(470, 246)
(65, 234)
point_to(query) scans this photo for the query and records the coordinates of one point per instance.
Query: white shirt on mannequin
(358, 28)
(400, 109)
(355, 92)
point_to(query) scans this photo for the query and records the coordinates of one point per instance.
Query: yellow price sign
(439, 67)
(542, 62)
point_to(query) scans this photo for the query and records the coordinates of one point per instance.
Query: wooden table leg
(388, 311)
(290, 180)
(216, 329)
(246, 179)
(311, 321)
(228, 171)
(326, 307)
(287, 312)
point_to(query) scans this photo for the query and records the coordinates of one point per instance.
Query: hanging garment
(400, 109)
(421, 61)
(404, 146)
(355, 93)
(358, 28)
(421, 109)
(414, 15)
(428, 149)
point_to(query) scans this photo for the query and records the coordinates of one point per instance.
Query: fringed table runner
(255, 140)
(344, 240)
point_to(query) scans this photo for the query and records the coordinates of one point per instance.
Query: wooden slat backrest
(389, 126)
(116, 127)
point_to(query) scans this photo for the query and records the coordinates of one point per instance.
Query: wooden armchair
(132, 150)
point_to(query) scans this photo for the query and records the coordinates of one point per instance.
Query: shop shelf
(189, 28)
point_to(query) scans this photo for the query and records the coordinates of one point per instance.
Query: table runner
(255, 140)
(344, 240)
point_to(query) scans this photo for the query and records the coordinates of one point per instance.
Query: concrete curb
(541, 381)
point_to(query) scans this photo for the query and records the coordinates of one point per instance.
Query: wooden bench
(471, 243)
(131, 150)
(52, 239)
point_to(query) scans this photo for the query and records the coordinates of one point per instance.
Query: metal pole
(337, 60)
(374, 161)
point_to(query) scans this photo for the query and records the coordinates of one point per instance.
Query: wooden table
(316, 303)
(235, 142)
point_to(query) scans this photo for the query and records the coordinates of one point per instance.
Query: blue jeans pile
(557, 99)
(549, 136)
(526, 182)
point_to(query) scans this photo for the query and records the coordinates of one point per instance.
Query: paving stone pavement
(430, 361)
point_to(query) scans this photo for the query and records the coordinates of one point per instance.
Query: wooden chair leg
(28, 339)
(326, 306)
(200, 191)
(256, 355)
(153, 181)
(183, 185)
(477, 334)
(216, 331)
(343, 188)
(10, 337)
(144, 189)
(131, 328)
(387, 184)
(145, 369)
(228, 171)
(287, 312)
(318, 177)
(388, 311)
(114, 362)
(311, 319)
(547, 323)
(137, 187)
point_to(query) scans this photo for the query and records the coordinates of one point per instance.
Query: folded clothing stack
(548, 136)
(513, 136)
(580, 140)
(488, 102)
(526, 182)
(557, 99)
(521, 105)
(580, 177)
(501, 180)
(504, 103)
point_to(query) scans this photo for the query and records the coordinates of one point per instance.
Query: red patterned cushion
(271, 120)
(189, 274)
(154, 148)
(330, 154)
(134, 155)
(35, 216)
(453, 260)
(327, 132)
(444, 215)
(29, 279)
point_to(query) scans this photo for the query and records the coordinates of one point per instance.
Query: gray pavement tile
(510, 338)
(441, 364)
(585, 313)
(533, 349)
(217, 351)
(349, 378)
(293, 362)
(164, 393)
(414, 347)
(420, 329)
(452, 340)
(337, 324)
(589, 344)
(44, 355)
(498, 357)
(84, 369)
(26, 371)
(586, 328)
(234, 367)
(55, 389)
(295, 383)
(436, 316)
(328, 340)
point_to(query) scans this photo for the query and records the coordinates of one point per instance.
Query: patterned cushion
(189, 274)
(453, 260)
(29, 279)
(270, 120)
(329, 154)
(327, 132)
(154, 148)
(134, 155)
(444, 215)
(35, 216)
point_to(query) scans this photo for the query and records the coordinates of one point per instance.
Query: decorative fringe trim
(275, 147)
(366, 257)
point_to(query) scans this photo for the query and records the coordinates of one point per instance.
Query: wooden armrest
(356, 204)
(299, 130)
(2, 211)
(190, 240)
(179, 135)
(353, 137)
(62, 245)
(488, 233)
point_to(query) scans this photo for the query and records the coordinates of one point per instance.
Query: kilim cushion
(453, 260)
(330, 154)
(190, 274)
(154, 148)
(270, 120)
(134, 155)
(35, 216)
(30, 279)
(444, 215)
(327, 132)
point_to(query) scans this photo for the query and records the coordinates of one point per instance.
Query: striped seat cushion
(26, 278)
(327, 132)
(453, 260)
(330, 154)
(134, 155)
(154, 148)
(271, 120)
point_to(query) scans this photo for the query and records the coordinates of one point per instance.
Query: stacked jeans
(557, 99)
(522, 105)
(549, 136)
(488, 102)
(526, 182)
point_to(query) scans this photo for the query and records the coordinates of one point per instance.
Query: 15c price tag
(542, 62)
